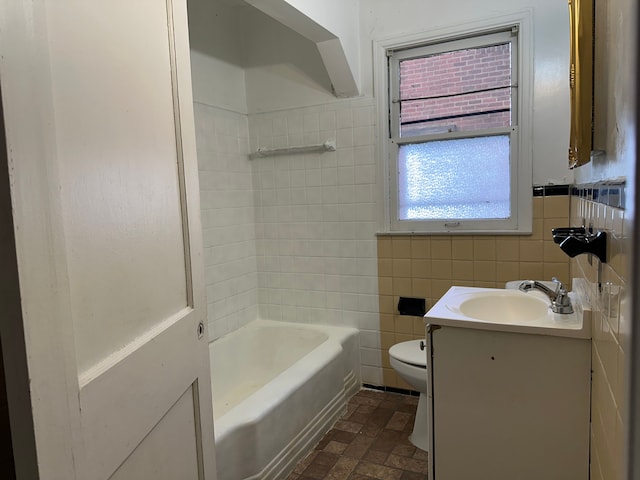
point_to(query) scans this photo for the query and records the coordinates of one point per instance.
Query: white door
(99, 122)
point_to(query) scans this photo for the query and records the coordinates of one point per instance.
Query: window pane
(460, 124)
(462, 90)
(454, 179)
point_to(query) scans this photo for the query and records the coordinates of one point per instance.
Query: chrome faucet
(560, 302)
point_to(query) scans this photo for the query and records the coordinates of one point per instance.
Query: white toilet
(410, 362)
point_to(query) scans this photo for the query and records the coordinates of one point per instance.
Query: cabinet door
(509, 406)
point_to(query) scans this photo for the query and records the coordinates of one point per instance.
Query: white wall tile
(228, 219)
(291, 238)
(318, 248)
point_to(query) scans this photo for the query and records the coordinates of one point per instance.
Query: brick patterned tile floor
(370, 441)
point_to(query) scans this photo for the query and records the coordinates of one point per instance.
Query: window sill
(456, 233)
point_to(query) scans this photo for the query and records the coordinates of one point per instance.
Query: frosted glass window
(466, 178)
(457, 153)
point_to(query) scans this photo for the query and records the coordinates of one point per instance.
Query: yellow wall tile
(531, 271)
(462, 269)
(507, 271)
(400, 383)
(609, 363)
(538, 207)
(419, 327)
(389, 377)
(420, 247)
(384, 247)
(508, 249)
(559, 271)
(386, 304)
(441, 269)
(439, 288)
(403, 324)
(421, 287)
(386, 363)
(421, 268)
(484, 248)
(462, 248)
(531, 251)
(556, 206)
(481, 284)
(401, 267)
(401, 287)
(387, 340)
(386, 323)
(441, 248)
(401, 246)
(537, 229)
(553, 253)
(484, 271)
(385, 267)
(424, 266)
(385, 286)
(404, 337)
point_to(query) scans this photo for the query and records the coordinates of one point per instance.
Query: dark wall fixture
(412, 306)
(577, 240)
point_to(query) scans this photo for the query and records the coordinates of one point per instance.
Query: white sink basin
(509, 311)
(507, 306)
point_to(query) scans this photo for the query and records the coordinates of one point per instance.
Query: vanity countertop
(506, 310)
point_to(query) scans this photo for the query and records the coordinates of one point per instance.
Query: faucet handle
(561, 304)
(559, 286)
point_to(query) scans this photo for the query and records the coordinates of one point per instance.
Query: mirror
(581, 81)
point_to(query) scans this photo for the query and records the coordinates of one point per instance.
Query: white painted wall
(216, 35)
(340, 17)
(283, 69)
(333, 26)
(291, 80)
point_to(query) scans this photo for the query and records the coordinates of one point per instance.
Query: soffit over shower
(333, 27)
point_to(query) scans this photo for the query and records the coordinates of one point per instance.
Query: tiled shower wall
(606, 284)
(427, 266)
(226, 196)
(316, 221)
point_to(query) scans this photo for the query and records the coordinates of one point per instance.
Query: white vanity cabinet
(508, 406)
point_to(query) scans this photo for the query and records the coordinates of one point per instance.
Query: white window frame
(521, 132)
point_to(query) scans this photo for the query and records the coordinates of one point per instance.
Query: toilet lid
(409, 352)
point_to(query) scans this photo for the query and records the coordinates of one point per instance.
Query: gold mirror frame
(581, 81)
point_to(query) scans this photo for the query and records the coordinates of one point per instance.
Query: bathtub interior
(255, 360)
(263, 435)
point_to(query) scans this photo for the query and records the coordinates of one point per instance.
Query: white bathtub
(277, 388)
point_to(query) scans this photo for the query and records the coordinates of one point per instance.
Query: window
(456, 161)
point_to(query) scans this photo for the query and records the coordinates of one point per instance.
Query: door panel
(123, 222)
(128, 398)
(108, 237)
(169, 459)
